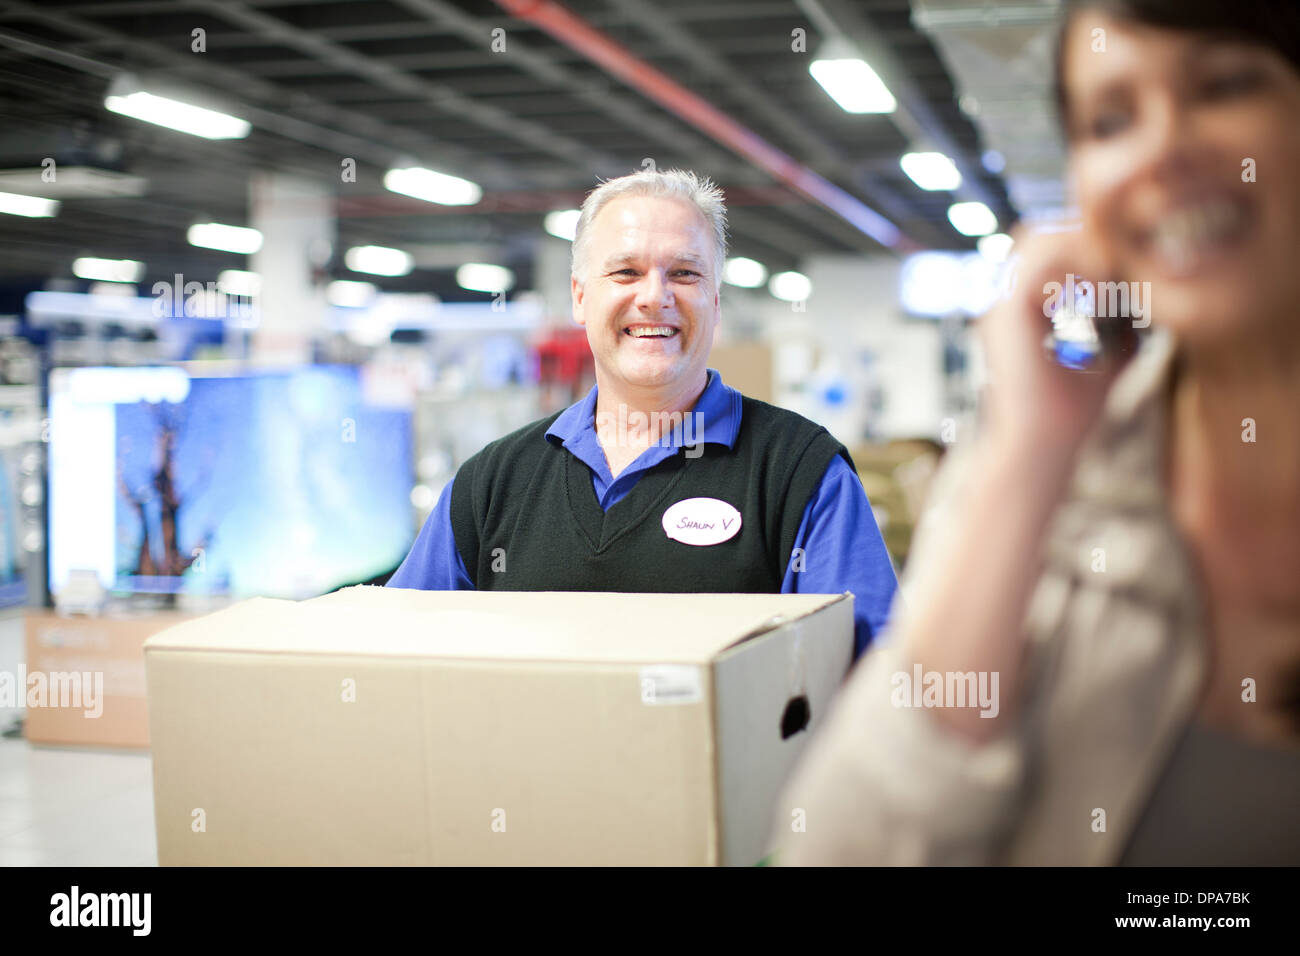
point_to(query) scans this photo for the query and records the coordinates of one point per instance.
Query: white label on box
(671, 684)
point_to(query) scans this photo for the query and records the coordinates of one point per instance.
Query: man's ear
(576, 292)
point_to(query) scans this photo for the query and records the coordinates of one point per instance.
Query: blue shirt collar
(718, 405)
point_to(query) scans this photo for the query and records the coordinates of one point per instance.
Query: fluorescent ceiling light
(972, 218)
(378, 260)
(31, 206)
(432, 186)
(481, 277)
(214, 235)
(73, 182)
(931, 170)
(745, 273)
(239, 282)
(996, 247)
(791, 286)
(852, 84)
(111, 288)
(351, 295)
(108, 270)
(562, 223)
(176, 115)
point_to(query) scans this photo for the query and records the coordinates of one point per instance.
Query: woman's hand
(969, 610)
(1032, 402)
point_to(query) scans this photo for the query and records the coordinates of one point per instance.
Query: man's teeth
(646, 331)
(1183, 234)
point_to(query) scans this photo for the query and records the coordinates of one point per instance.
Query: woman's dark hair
(1270, 23)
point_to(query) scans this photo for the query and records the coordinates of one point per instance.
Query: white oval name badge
(701, 521)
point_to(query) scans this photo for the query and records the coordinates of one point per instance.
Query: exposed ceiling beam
(570, 30)
(441, 96)
(815, 149)
(915, 116)
(618, 107)
(366, 138)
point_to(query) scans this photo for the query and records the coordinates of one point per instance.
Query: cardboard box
(379, 726)
(746, 367)
(88, 653)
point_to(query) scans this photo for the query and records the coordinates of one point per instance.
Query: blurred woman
(1116, 558)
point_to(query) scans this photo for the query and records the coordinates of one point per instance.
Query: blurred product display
(896, 476)
(22, 495)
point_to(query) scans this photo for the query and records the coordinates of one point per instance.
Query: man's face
(650, 300)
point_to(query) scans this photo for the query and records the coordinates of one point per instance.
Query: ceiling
(1001, 60)
(387, 81)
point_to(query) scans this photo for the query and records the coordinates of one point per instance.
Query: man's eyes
(688, 273)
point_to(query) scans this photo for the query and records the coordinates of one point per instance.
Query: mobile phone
(1079, 338)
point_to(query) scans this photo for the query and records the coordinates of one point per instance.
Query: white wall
(854, 333)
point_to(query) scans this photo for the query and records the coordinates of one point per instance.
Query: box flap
(516, 625)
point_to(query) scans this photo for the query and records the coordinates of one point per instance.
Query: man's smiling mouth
(650, 331)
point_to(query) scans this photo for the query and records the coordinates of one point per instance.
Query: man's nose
(654, 291)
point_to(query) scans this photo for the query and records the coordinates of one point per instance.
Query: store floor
(70, 807)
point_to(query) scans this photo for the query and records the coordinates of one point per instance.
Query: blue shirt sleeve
(434, 564)
(839, 548)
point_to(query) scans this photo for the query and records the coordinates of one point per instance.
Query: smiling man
(663, 478)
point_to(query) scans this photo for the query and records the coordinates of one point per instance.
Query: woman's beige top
(1117, 659)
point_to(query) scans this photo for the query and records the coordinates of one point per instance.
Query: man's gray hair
(667, 184)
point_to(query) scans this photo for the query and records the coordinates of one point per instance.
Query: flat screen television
(282, 483)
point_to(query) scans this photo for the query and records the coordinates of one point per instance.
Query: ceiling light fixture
(483, 277)
(216, 235)
(378, 260)
(127, 99)
(432, 186)
(108, 270)
(932, 171)
(31, 206)
(850, 81)
(743, 272)
(972, 218)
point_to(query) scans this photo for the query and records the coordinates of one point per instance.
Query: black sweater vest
(526, 517)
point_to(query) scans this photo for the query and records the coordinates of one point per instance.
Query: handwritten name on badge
(701, 521)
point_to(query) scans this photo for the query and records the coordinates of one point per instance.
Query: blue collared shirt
(838, 543)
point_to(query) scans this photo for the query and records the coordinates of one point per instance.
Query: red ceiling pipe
(576, 34)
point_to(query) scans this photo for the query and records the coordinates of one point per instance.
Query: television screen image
(277, 483)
